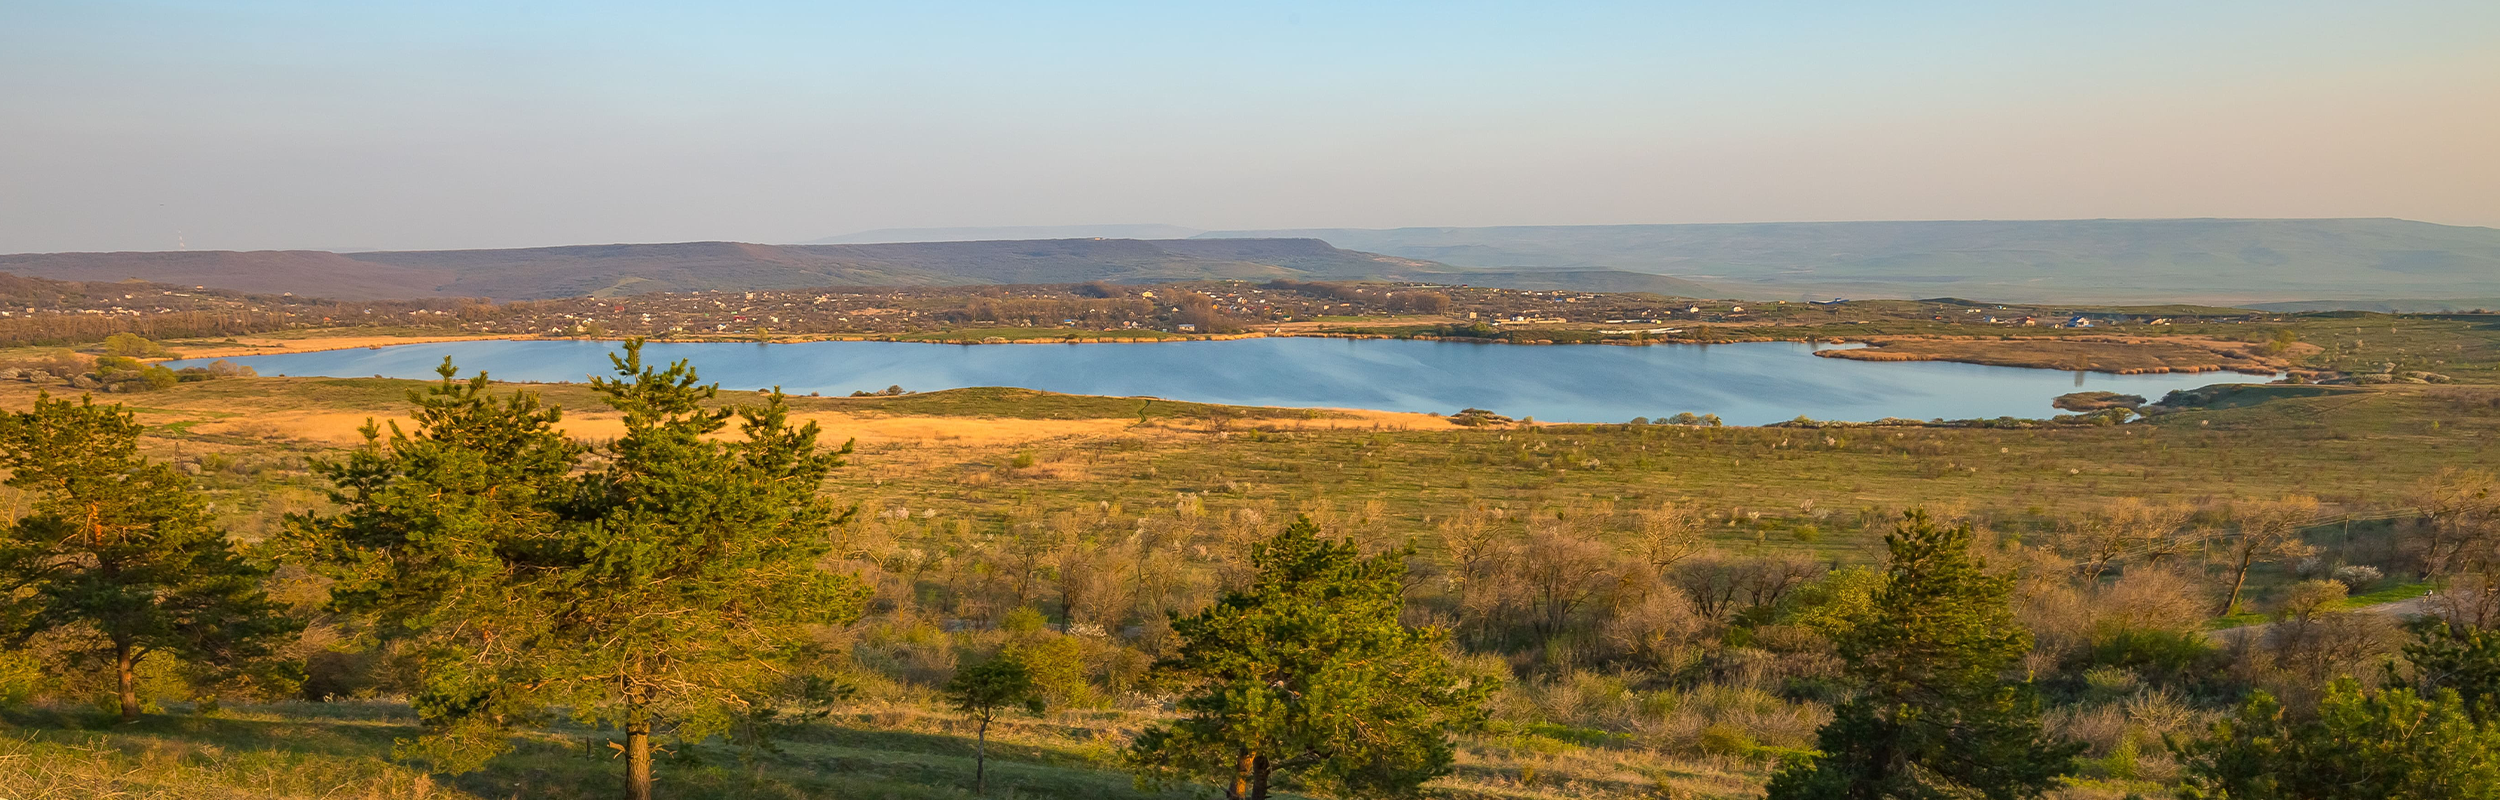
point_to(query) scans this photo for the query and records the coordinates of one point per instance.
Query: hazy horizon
(1111, 231)
(293, 125)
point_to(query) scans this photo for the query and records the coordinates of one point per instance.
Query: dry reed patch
(341, 427)
(964, 431)
(2120, 354)
(268, 345)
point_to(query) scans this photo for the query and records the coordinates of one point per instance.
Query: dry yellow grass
(269, 345)
(2119, 354)
(288, 409)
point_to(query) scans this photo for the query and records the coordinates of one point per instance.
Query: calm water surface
(1746, 384)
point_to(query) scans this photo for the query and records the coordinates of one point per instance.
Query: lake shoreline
(1994, 351)
(1746, 383)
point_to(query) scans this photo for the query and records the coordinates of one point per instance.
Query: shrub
(2357, 576)
(131, 345)
(1057, 665)
(2162, 655)
(1722, 739)
(1664, 632)
(21, 678)
(158, 377)
(2393, 744)
(60, 363)
(143, 379)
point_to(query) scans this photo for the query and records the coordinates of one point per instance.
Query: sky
(448, 124)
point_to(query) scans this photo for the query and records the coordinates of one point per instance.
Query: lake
(1746, 384)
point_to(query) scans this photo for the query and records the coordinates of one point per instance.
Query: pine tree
(124, 547)
(2457, 658)
(981, 691)
(1308, 675)
(656, 590)
(1935, 715)
(2386, 745)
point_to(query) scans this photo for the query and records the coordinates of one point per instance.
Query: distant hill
(2231, 260)
(892, 235)
(623, 269)
(307, 272)
(2400, 306)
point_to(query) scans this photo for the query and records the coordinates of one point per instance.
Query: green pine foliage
(2388, 745)
(1306, 677)
(1935, 714)
(659, 584)
(120, 554)
(2458, 658)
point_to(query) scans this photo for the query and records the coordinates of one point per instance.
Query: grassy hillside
(2100, 260)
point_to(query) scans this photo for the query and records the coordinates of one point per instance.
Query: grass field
(302, 751)
(968, 464)
(974, 454)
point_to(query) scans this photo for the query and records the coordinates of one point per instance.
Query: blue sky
(140, 125)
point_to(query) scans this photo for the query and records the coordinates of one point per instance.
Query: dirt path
(2399, 610)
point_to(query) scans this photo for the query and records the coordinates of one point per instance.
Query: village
(43, 312)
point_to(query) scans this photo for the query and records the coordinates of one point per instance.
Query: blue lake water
(1745, 384)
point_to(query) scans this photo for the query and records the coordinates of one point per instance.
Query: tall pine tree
(123, 548)
(1936, 714)
(1307, 674)
(656, 589)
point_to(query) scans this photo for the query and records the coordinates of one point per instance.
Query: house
(1187, 328)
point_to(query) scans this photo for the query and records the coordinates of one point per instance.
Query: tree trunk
(1240, 790)
(2239, 578)
(637, 751)
(1258, 778)
(126, 667)
(2092, 574)
(981, 760)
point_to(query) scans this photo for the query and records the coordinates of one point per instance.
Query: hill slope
(621, 269)
(892, 235)
(306, 272)
(2099, 260)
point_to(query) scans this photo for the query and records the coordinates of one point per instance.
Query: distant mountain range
(2222, 261)
(621, 269)
(2399, 306)
(2225, 260)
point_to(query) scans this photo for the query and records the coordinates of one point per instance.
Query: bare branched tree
(2264, 531)
(2126, 528)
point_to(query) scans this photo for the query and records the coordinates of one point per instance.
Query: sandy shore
(266, 345)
